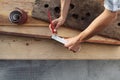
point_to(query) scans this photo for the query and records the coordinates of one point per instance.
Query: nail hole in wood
(13, 40)
(72, 6)
(88, 14)
(118, 24)
(27, 44)
(82, 18)
(46, 5)
(57, 9)
(75, 16)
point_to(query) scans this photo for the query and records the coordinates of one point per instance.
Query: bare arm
(64, 11)
(98, 24)
(64, 8)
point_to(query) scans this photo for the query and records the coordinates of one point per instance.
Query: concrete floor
(59, 70)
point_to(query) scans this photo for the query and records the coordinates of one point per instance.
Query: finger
(55, 31)
(78, 48)
(74, 48)
(55, 21)
(70, 48)
(57, 26)
(50, 28)
(67, 44)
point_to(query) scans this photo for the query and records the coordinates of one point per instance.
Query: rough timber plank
(44, 49)
(44, 32)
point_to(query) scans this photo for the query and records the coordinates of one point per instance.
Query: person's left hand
(73, 44)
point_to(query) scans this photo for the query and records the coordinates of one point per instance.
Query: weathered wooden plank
(81, 12)
(44, 49)
(44, 32)
(13, 48)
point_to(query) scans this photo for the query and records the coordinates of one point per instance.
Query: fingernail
(55, 30)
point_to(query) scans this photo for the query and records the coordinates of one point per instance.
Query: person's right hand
(57, 23)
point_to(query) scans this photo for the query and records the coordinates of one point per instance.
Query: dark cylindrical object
(18, 16)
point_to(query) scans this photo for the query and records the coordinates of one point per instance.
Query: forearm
(64, 8)
(97, 25)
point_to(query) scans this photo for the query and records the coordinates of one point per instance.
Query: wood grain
(37, 28)
(44, 32)
(21, 48)
(45, 49)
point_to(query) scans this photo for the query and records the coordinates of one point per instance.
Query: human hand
(73, 44)
(57, 23)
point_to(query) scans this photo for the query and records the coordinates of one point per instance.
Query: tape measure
(18, 16)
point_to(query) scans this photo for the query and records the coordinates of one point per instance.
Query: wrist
(62, 18)
(81, 37)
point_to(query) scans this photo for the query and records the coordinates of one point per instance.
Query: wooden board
(44, 32)
(21, 48)
(78, 17)
(45, 49)
(36, 28)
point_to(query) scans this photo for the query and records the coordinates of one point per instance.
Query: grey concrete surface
(59, 70)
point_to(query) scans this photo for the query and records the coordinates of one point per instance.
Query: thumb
(50, 27)
(57, 26)
(67, 44)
